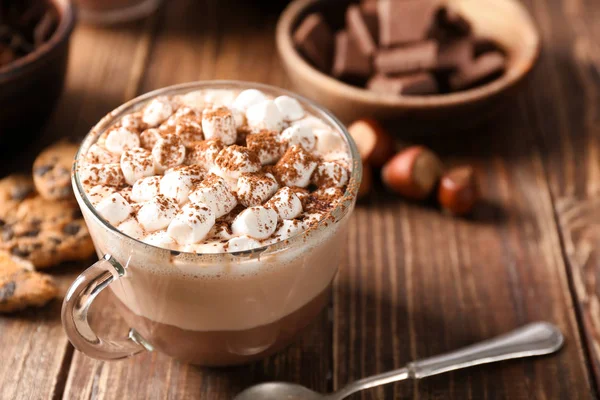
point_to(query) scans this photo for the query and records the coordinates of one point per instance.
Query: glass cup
(207, 309)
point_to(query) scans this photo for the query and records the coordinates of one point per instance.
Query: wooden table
(412, 282)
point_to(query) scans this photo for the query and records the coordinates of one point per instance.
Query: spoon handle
(530, 340)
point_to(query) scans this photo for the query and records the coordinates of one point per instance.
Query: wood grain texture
(36, 354)
(565, 116)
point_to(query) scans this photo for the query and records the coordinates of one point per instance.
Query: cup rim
(338, 213)
(61, 34)
(287, 50)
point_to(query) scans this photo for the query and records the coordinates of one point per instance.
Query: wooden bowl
(31, 85)
(505, 21)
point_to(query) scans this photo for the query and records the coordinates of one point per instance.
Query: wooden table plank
(191, 45)
(565, 115)
(35, 351)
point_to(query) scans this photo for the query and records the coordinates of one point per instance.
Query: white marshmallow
(219, 232)
(204, 153)
(330, 173)
(115, 209)
(161, 239)
(157, 213)
(312, 219)
(132, 122)
(242, 243)
(290, 108)
(219, 97)
(248, 98)
(149, 137)
(264, 115)
(136, 164)
(285, 203)
(157, 111)
(234, 160)
(266, 145)
(191, 224)
(119, 140)
(255, 189)
(145, 189)
(99, 155)
(239, 117)
(219, 123)
(98, 193)
(205, 248)
(131, 228)
(101, 174)
(257, 222)
(329, 141)
(215, 194)
(177, 184)
(295, 167)
(300, 135)
(312, 122)
(168, 152)
(287, 229)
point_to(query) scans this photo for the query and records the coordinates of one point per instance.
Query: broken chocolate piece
(452, 55)
(483, 68)
(405, 21)
(349, 62)
(401, 60)
(314, 39)
(421, 83)
(359, 30)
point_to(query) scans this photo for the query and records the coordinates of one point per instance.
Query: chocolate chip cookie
(21, 286)
(52, 171)
(44, 232)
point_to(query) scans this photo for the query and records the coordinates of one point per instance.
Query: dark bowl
(30, 86)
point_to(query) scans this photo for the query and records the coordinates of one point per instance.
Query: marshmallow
(329, 174)
(204, 153)
(311, 219)
(101, 174)
(99, 155)
(119, 140)
(248, 98)
(177, 184)
(218, 123)
(290, 108)
(133, 122)
(168, 152)
(161, 239)
(264, 115)
(312, 122)
(145, 189)
(149, 137)
(257, 222)
(220, 231)
(157, 111)
(255, 188)
(98, 193)
(186, 123)
(300, 135)
(285, 203)
(218, 97)
(329, 141)
(295, 167)
(242, 243)
(131, 228)
(234, 160)
(205, 248)
(115, 209)
(239, 117)
(215, 193)
(136, 164)
(340, 157)
(191, 224)
(287, 229)
(267, 146)
(157, 213)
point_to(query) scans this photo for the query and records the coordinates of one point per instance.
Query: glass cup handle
(75, 309)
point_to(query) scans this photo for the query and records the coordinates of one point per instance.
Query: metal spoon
(531, 340)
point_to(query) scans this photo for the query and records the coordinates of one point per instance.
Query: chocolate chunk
(349, 62)
(7, 290)
(42, 170)
(400, 60)
(482, 69)
(314, 40)
(421, 83)
(72, 228)
(359, 31)
(405, 21)
(454, 54)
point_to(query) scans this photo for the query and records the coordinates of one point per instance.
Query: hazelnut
(413, 172)
(367, 180)
(374, 143)
(458, 192)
